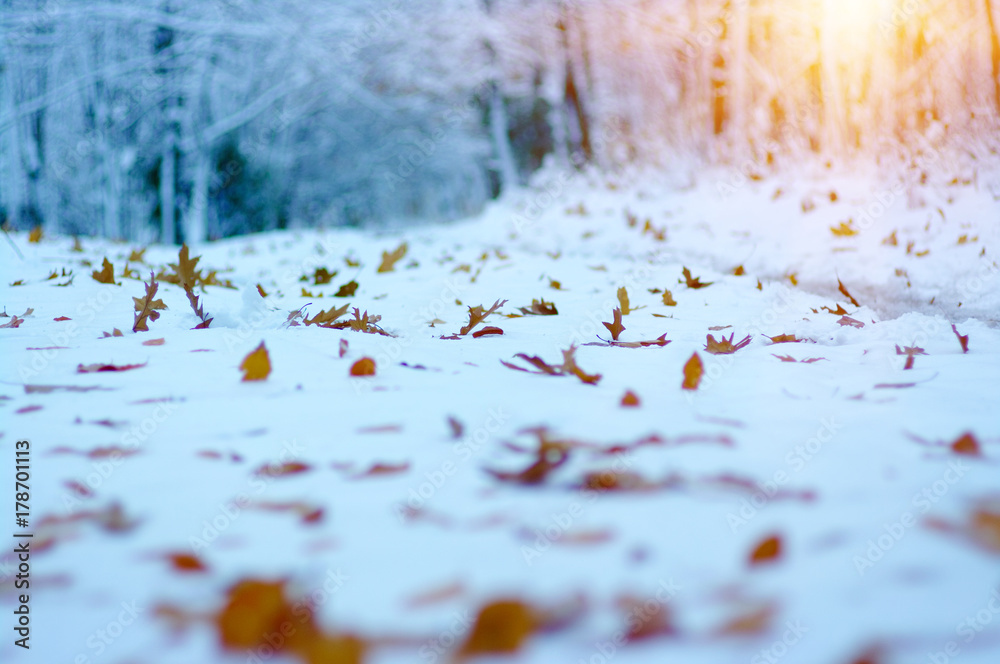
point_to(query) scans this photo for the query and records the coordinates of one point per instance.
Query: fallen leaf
(390, 258)
(630, 399)
(61, 319)
(549, 455)
(94, 368)
(910, 352)
(501, 627)
(257, 364)
(844, 230)
(363, 367)
(840, 311)
(738, 271)
(768, 550)
(477, 315)
(843, 290)
(847, 320)
(13, 322)
(725, 346)
(693, 282)
(260, 289)
(347, 290)
(623, 301)
(380, 469)
(114, 333)
(539, 308)
(436, 596)
(186, 562)
(616, 327)
(137, 255)
(785, 339)
(486, 331)
(693, 370)
(106, 275)
(154, 342)
(668, 299)
(754, 621)
(964, 341)
(35, 235)
(327, 318)
(967, 445)
(342, 348)
(146, 308)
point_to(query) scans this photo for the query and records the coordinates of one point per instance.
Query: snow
(840, 428)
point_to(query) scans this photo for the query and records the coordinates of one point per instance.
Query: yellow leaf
(256, 365)
(692, 372)
(106, 275)
(390, 258)
(363, 367)
(35, 236)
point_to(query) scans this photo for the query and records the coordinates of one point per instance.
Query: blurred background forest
(184, 120)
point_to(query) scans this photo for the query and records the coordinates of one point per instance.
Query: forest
(181, 121)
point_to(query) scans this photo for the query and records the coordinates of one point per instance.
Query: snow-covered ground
(890, 538)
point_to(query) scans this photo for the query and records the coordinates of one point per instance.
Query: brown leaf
(623, 301)
(844, 230)
(114, 333)
(725, 346)
(342, 347)
(106, 275)
(146, 307)
(185, 562)
(486, 331)
(390, 258)
(326, 318)
(839, 311)
(539, 308)
(13, 322)
(692, 373)
(847, 320)
(363, 367)
(35, 236)
(477, 315)
(154, 342)
(501, 627)
(785, 339)
(94, 368)
(185, 273)
(137, 255)
(768, 550)
(967, 445)
(347, 290)
(569, 366)
(754, 621)
(549, 456)
(964, 341)
(260, 289)
(257, 364)
(738, 271)
(843, 290)
(380, 469)
(630, 399)
(668, 299)
(282, 469)
(616, 327)
(694, 282)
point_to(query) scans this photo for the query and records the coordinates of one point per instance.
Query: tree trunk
(168, 234)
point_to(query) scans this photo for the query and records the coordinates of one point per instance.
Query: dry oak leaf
(487, 331)
(477, 315)
(910, 352)
(754, 621)
(844, 230)
(767, 550)
(282, 469)
(848, 321)
(35, 236)
(693, 282)
(668, 299)
(725, 346)
(146, 307)
(106, 275)
(185, 273)
(550, 455)
(839, 311)
(785, 339)
(363, 367)
(137, 255)
(258, 608)
(501, 627)
(963, 340)
(13, 322)
(630, 399)
(623, 301)
(966, 444)
(615, 327)
(322, 276)
(186, 562)
(114, 333)
(327, 318)
(693, 370)
(347, 290)
(154, 342)
(257, 364)
(843, 289)
(390, 258)
(539, 308)
(94, 368)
